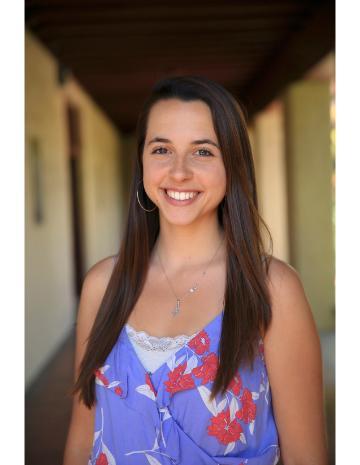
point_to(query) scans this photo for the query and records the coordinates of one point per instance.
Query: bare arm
(293, 357)
(80, 436)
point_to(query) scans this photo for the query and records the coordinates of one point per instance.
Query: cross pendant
(177, 308)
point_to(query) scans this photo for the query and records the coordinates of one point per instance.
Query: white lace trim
(149, 342)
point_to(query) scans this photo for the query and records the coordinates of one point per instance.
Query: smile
(180, 197)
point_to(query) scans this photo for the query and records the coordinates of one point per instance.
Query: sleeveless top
(164, 416)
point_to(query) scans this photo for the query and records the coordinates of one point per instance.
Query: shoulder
(99, 274)
(284, 284)
(279, 271)
(280, 278)
(93, 289)
(94, 286)
(292, 321)
(283, 280)
(289, 303)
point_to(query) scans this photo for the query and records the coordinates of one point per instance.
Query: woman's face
(184, 173)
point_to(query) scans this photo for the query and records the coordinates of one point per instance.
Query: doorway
(74, 138)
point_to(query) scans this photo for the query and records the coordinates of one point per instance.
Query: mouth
(180, 198)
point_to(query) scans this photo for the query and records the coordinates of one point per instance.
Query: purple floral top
(166, 418)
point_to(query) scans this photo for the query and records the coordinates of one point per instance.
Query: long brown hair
(247, 307)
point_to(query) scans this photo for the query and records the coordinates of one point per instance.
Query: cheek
(217, 179)
(153, 164)
(152, 174)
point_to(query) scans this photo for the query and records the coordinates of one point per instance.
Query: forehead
(174, 117)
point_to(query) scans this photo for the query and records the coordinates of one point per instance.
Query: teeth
(181, 195)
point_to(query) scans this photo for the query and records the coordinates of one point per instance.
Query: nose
(180, 168)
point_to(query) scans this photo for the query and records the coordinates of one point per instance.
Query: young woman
(194, 345)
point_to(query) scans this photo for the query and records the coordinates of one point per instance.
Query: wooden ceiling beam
(174, 42)
(117, 51)
(158, 27)
(99, 12)
(129, 94)
(153, 59)
(301, 51)
(101, 67)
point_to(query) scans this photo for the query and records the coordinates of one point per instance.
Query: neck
(183, 247)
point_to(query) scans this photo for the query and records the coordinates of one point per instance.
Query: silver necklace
(192, 289)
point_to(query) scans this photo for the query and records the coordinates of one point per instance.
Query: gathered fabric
(165, 417)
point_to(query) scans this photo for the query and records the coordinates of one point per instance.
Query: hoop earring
(137, 196)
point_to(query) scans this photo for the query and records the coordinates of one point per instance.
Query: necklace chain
(192, 289)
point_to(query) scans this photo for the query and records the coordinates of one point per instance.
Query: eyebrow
(194, 142)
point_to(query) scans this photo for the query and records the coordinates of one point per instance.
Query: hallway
(88, 70)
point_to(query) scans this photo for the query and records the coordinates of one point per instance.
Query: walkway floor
(48, 410)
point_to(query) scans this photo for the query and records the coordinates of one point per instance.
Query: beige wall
(291, 144)
(268, 142)
(101, 176)
(49, 294)
(309, 172)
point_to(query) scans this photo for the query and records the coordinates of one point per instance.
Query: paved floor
(48, 405)
(48, 410)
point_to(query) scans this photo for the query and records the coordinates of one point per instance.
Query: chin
(178, 221)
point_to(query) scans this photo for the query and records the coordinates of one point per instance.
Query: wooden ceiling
(117, 49)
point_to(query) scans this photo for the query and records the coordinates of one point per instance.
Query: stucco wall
(49, 275)
(268, 139)
(309, 171)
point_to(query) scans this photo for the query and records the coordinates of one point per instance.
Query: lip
(179, 190)
(180, 203)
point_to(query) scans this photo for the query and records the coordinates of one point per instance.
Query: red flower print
(200, 343)
(261, 346)
(149, 383)
(236, 384)
(207, 371)
(247, 412)
(223, 429)
(118, 390)
(178, 381)
(101, 377)
(102, 459)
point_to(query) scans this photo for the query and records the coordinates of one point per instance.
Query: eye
(205, 153)
(159, 148)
